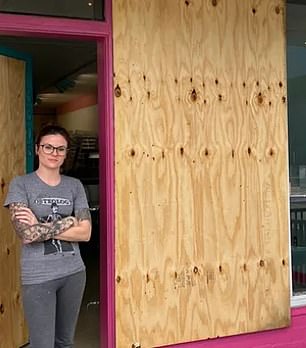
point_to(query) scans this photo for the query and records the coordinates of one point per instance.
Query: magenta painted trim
(108, 15)
(291, 337)
(107, 177)
(107, 240)
(297, 312)
(32, 26)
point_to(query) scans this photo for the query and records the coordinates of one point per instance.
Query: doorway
(100, 35)
(64, 75)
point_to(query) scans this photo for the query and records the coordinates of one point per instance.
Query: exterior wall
(85, 119)
(42, 118)
(78, 114)
(201, 170)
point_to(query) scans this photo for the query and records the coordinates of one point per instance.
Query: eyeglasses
(48, 149)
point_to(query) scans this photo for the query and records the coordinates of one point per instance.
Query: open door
(16, 157)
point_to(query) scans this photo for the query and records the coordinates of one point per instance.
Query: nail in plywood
(12, 162)
(201, 169)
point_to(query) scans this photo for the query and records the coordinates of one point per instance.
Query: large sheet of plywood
(12, 162)
(201, 169)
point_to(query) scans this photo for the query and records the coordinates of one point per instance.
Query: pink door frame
(101, 32)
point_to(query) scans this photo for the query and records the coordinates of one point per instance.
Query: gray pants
(51, 310)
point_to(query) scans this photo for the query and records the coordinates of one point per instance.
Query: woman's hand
(81, 231)
(30, 230)
(26, 216)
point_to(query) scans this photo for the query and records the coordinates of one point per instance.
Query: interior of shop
(65, 93)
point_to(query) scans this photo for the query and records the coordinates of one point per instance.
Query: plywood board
(201, 169)
(12, 162)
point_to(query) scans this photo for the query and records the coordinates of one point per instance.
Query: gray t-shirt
(52, 259)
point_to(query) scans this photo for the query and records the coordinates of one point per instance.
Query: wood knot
(1, 308)
(187, 3)
(261, 263)
(271, 152)
(220, 269)
(254, 10)
(206, 152)
(8, 251)
(118, 279)
(216, 81)
(175, 80)
(2, 185)
(194, 95)
(182, 151)
(277, 10)
(144, 77)
(148, 94)
(280, 84)
(244, 84)
(163, 154)
(117, 91)
(260, 98)
(245, 267)
(257, 83)
(220, 97)
(284, 99)
(214, 2)
(283, 262)
(249, 151)
(191, 79)
(136, 345)
(132, 152)
(233, 153)
(195, 270)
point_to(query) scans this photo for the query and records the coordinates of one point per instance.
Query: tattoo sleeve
(83, 214)
(40, 231)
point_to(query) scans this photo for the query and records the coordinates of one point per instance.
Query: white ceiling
(62, 70)
(84, 84)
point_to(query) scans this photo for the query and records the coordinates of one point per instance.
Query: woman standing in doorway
(50, 214)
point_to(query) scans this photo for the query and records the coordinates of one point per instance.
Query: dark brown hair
(53, 130)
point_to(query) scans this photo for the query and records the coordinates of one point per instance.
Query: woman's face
(52, 151)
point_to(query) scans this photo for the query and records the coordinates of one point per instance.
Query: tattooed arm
(30, 230)
(82, 231)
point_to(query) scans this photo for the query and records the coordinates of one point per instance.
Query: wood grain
(201, 169)
(12, 162)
